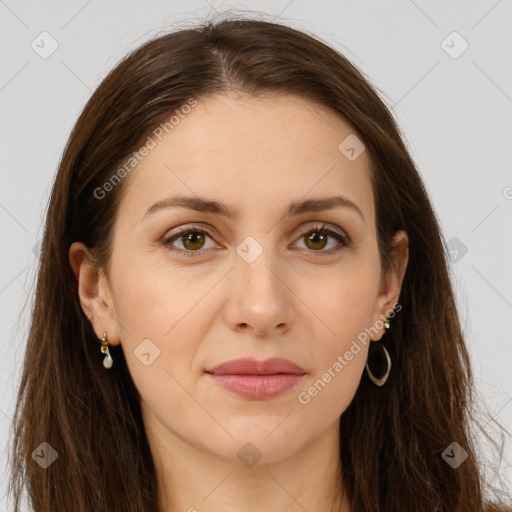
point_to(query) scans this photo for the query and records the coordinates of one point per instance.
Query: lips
(249, 366)
(257, 380)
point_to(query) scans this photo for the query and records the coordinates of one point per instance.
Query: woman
(243, 300)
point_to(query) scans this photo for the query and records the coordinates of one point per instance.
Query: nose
(261, 302)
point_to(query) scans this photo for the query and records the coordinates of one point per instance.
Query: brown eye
(317, 240)
(193, 240)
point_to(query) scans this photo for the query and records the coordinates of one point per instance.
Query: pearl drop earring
(107, 361)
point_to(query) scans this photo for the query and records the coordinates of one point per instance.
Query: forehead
(252, 153)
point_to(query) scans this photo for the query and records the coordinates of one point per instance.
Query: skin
(256, 155)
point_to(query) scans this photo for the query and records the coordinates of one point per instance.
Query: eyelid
(322, 226)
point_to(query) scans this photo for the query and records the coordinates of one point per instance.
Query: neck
(195, 480)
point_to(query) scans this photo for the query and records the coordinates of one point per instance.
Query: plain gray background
(454, 108)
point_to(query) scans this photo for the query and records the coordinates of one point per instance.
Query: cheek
(162, 314)
(340, 348)
(152, 295)
(344, 307)
(344, 302)
(343, 349)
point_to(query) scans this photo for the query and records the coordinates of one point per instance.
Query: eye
(192, 240)
(315, 238)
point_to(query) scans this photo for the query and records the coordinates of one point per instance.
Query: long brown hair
(392, 437)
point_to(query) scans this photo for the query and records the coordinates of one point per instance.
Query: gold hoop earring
(107, 360)
(379, 360)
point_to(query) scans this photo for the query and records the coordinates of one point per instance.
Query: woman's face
(252, 285)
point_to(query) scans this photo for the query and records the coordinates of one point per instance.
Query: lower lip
(258, 387)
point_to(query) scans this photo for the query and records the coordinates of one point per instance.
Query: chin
(260, 439)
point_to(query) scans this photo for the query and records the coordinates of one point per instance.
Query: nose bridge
(256, 265)
(258, 296)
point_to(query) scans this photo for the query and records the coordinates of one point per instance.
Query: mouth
(250, 366)
(257, 380)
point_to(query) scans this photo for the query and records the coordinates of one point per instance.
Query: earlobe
(93, 291)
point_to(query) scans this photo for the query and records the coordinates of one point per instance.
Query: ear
(94, 293)
(391, 282)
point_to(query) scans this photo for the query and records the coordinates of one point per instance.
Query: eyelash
(342, 239)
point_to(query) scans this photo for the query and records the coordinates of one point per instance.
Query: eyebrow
(295, 208)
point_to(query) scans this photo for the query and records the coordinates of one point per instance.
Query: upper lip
(249, 366)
